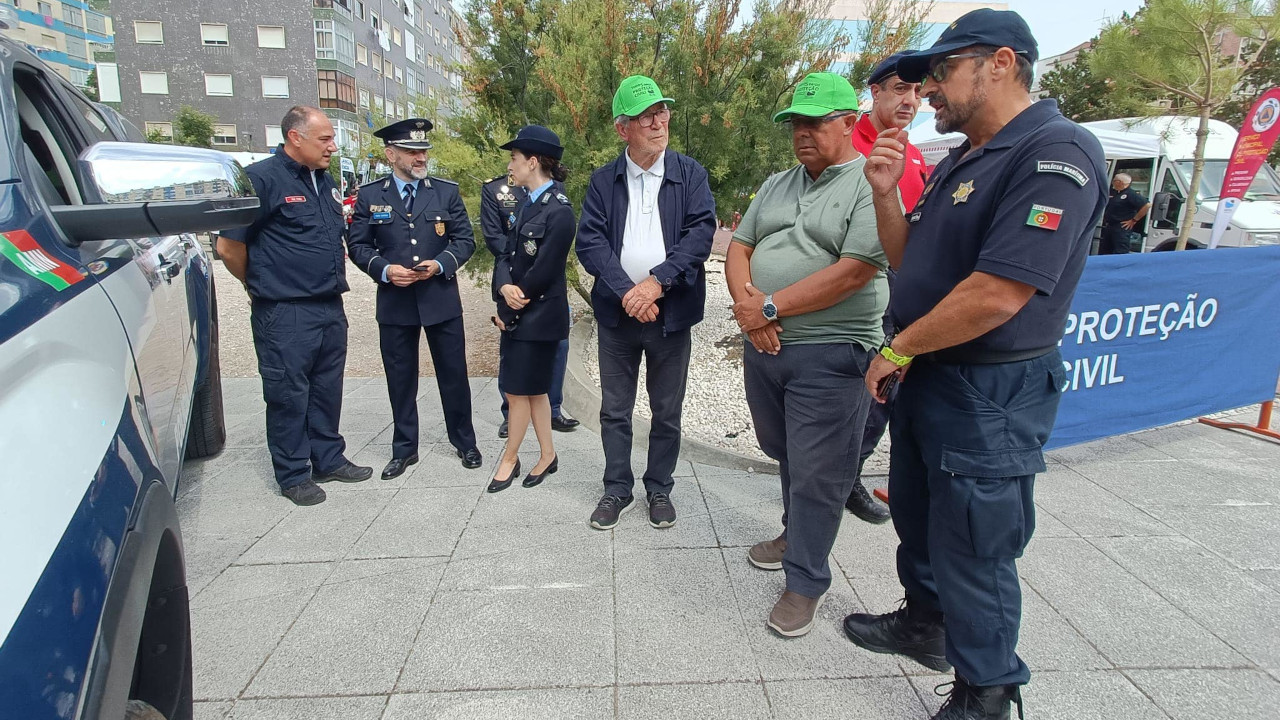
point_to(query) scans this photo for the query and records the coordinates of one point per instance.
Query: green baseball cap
(635, 95)
(820, 93)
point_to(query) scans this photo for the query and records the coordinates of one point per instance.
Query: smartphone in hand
(887, 384)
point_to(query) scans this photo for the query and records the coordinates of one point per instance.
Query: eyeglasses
(647, 119)
(938, 70)
(812, 123)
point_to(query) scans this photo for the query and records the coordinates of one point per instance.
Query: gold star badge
(962, 193)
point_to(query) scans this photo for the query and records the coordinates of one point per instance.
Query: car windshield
(1265, 185)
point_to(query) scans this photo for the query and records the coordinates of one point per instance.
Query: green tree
(155, 136)
(1265, 74)
(193, 127)
(890, 26)
(90, 88)
(1174, 48)
(1082, 95)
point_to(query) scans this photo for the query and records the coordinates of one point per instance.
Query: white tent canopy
(1116, 144)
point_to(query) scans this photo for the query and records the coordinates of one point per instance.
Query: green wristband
(887, 353)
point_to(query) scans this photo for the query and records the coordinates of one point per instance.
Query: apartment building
(64, 33)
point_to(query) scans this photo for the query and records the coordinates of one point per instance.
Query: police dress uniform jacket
(533, 260)
(688, 213)
(382, 233)
(499, 203)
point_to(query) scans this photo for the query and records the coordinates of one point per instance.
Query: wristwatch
(887, 353)
(770, 310)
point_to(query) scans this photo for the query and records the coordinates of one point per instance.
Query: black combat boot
(919, 634)
(966, 702)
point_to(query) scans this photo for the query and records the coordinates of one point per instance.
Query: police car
(108, 378)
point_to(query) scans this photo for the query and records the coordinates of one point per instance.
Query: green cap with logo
(820, 93)
(635, 95)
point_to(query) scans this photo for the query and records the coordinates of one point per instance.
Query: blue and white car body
(108, 379)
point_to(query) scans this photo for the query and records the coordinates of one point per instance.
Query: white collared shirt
(642, 246)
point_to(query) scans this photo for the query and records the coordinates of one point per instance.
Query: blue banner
(1156, 338)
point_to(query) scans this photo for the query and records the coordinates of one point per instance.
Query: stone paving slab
(1150, 589)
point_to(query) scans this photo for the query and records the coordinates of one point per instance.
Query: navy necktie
(408, 199)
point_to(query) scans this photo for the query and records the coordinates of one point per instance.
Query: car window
(95, 124)
(52, 138)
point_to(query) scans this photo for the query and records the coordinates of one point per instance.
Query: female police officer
(529, 287)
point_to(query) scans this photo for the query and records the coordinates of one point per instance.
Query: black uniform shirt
(295, 246)
(1022, 207)
(1123, 205)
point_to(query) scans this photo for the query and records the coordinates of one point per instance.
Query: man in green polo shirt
(806, 272)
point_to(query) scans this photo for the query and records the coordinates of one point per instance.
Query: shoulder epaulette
(495, 179)
(371, 183)
(561, 197)
(449, 182)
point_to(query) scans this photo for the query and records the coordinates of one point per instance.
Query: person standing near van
(291, 261)
(1125, 209)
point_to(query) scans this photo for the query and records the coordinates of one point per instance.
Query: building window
(164, 129)
(387, 68)
(348, 135)
(396, 37)
(275, 86)
(274, 136)
(399, 75)
(376, 64)
(337, 90)
(154, 83)
(224, 135)
(72, 16)
(410, 78)
(270, 36)
(364, 98)
(362, 54)
(80, 77)
(97, 23)
(214, 34)
(374, 22)
(346, 44)
(324, 40)
(76, 48)
(146, 32)
(44, 8)
(217, 85)
(359, 10)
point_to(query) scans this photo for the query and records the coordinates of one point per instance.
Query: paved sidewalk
(1151, 588)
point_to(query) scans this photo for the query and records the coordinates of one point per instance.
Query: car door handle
(170, 270)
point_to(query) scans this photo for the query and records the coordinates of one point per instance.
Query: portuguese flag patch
(1043, 216)
(23, 251)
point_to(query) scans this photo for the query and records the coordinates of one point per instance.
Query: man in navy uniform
(499, 202)
(1125, 209)
(410, 232)
(290, 260)
(988, 262)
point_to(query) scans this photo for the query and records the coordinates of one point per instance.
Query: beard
(417, 173)
(954, 116)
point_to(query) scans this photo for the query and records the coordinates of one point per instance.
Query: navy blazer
(688, 227)
(533, 260)
(439, 230)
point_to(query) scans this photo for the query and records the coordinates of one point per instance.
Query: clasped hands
(640, 302)
(402, 276)
(749, 314)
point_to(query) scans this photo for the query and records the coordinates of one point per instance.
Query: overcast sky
(1060, 25)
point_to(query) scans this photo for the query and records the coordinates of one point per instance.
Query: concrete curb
(582, 398)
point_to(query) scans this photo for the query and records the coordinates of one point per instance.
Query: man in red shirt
(894, 103)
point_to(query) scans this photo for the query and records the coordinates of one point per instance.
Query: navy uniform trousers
(967, 444)
(302, 350)
(448, 347)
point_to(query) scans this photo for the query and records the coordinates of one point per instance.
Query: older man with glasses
(646, 229)
(988, 262)
(806, 272)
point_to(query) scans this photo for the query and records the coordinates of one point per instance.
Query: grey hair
(1124, 177)
(622, 120)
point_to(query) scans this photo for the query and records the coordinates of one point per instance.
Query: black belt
(970, 356)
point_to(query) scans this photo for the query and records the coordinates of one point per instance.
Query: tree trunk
(1197, 171)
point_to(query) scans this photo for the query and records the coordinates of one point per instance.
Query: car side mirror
(137, 190)
(1165, 207)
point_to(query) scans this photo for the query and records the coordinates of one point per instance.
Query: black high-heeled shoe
(531, 480)
(496, 485)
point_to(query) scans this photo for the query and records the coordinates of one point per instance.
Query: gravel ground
(364, 359)
(715, 407)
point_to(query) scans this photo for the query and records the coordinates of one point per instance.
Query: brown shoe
(767, 555)
(793, 615)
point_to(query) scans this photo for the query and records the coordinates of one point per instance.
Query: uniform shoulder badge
(448, 182)
(495, 178)
(562, 198)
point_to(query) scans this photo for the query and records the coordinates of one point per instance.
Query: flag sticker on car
(23, 251)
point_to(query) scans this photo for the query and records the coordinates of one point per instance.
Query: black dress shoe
(496, 485)
(470, 458)
(861, 504)
(564, 423)
(305, 493)
(502, 429)
(347, 472)
(917, 634)
(397, 466)
(531, 480)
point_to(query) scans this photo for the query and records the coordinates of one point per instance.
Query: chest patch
(962, 193)
(530, 247)
(295, 198)
(1061, 168)
(384, 215)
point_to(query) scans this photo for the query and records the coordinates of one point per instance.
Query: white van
(1158, 154)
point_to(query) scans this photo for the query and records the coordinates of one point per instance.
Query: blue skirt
(527, 365)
